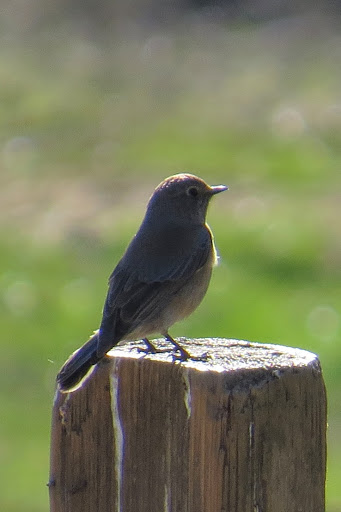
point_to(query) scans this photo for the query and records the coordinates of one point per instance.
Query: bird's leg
(150, 348)
(184, 355)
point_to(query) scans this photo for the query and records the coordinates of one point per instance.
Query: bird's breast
(190, 295)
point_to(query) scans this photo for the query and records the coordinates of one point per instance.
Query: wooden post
(243, 432)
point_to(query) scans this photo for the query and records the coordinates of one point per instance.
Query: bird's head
(182, 197)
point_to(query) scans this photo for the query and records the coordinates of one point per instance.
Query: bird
(161, 278)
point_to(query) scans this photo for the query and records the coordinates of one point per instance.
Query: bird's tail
(78, 365)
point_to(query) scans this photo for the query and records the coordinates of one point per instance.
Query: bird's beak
(216, 189)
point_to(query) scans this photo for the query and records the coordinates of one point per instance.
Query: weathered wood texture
(242, 432)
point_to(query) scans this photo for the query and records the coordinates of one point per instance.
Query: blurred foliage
(90, 123)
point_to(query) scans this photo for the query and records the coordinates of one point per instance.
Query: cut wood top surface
(223, 355)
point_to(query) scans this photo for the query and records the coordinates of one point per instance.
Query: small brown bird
(161, 278)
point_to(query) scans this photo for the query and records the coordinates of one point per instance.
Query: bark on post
(242, 432)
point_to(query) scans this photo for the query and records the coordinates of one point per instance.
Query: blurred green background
(97, 107)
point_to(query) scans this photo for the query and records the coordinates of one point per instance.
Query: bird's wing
(135, 295)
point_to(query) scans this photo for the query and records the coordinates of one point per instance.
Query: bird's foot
(184, 355)
(150, 348)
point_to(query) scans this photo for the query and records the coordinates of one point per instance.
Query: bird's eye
(192, 191)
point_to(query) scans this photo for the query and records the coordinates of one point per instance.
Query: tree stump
(243, 431)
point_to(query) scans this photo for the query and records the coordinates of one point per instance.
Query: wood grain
(244, 431)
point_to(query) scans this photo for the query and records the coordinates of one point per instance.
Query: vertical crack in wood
(252, 457)
(168, 455)
(187, 394)
(117, 429)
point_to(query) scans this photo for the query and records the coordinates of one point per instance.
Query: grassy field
(88, 129)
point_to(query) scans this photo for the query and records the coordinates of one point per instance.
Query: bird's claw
(185, 356)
